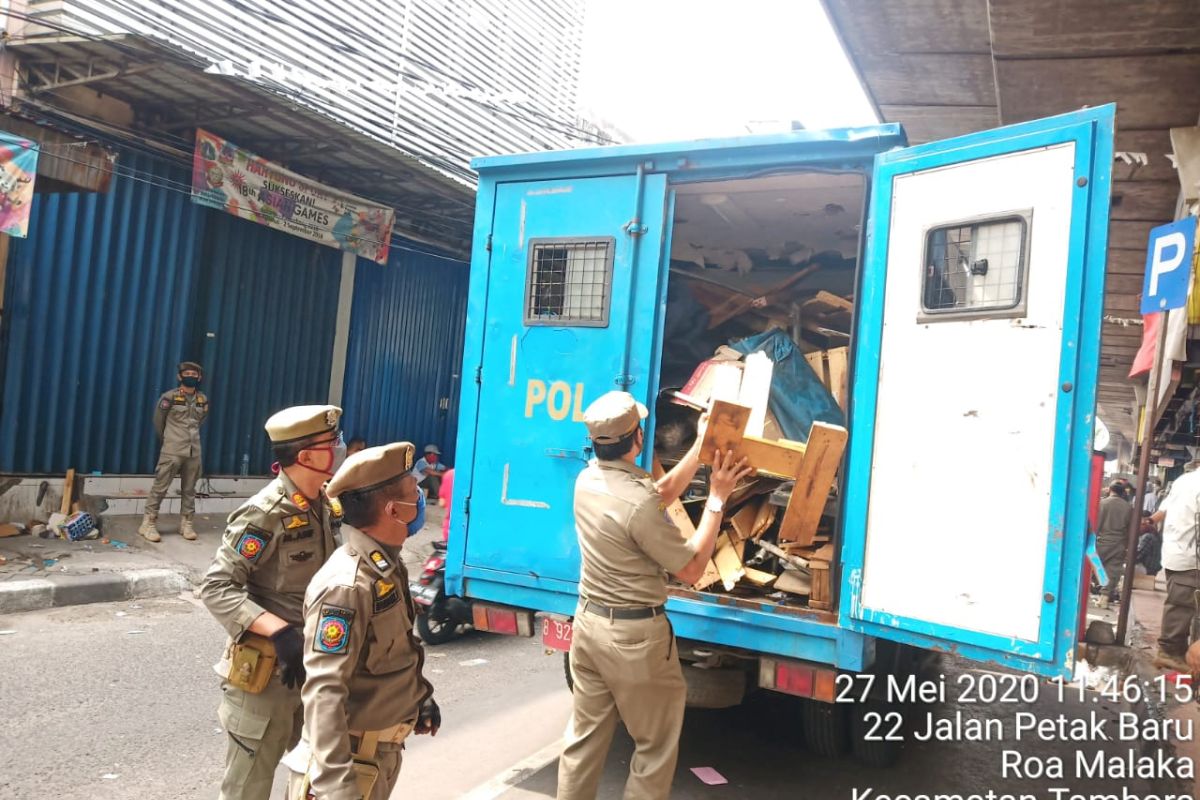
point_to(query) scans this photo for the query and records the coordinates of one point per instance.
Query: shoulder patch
(333, 630)
(335, 506)
(164, 403)
(252, 542)
(380, 560)
(300, 500)
(385, 595)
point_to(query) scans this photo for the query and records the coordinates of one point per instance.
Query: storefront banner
(227, 177)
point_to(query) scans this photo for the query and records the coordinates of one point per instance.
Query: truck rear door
(572, 311)
(974, 388)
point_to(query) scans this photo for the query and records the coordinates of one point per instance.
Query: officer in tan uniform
(364, 693)
(624, 663)
(178, 416)
(273, 546)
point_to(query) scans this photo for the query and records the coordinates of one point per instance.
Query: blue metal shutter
(96, 312)
(404, 361)
(269, 305)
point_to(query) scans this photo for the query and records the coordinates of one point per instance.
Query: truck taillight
(796, 678)
(500, 619)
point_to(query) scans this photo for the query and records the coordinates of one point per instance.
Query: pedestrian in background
(364, 692)
(623, 659)
(429, 471)
(273, 545)
(1177, 515)
(355, 445)
(178, 416)
(1112, 532)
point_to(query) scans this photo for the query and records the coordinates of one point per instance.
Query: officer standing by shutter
(365, 692)
(177, 419)
(273, 546)
(624, 663)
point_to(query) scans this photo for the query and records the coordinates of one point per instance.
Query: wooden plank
(68, 491)
(755, 390)
(827, 303)
(726, 424)
(729, 561)
(838, 360)
(817, 471)
(683, 522)
(793, 583)
(822, 592)
(758, 577)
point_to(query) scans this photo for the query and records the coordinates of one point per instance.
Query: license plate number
(556, 633)
(424, 595)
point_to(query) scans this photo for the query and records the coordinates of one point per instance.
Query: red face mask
(336, 452)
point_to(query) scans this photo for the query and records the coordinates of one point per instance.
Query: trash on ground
(12, 529)
(709, 776)
(474, 662)
(49, 562)
(7, 633)
(117, 543)
(135, 632)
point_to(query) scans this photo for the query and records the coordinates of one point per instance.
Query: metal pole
(1149, 420)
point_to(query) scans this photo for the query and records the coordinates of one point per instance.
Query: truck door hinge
(479, 374)
(488, 246)
(467, 506)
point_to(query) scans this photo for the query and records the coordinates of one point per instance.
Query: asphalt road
(119, 701)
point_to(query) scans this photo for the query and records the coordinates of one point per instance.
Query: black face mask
(190, 381)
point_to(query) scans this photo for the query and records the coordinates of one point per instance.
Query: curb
(41, 593)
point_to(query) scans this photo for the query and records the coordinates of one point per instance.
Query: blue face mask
(418, 522)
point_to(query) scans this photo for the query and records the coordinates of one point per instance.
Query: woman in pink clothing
(444, 494)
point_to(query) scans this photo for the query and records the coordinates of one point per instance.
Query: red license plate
(556, 633)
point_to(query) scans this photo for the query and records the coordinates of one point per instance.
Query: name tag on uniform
(386, 595)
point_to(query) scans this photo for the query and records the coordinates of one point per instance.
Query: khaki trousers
(626, 669)
(388, 757)
(188, 469)
(1178, 609)
(261, 728)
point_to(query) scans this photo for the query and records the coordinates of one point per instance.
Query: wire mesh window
(976, 267)
(569, 282)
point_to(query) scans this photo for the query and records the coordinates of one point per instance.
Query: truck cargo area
(759, 308)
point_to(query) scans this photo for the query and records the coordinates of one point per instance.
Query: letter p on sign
(1168, 266)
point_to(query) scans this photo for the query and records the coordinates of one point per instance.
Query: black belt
(643, 612)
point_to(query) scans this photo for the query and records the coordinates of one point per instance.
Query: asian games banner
(18, 167)
(227, 177)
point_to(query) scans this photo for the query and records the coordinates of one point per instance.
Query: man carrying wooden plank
(624, 663)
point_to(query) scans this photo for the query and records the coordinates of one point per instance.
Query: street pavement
(119, 701)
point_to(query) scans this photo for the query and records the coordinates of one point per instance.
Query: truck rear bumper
(716, 619)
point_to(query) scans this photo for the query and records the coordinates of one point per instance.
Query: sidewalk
(42, 573)
(1144, 626)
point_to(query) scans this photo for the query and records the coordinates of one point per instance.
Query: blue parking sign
(1168, 266)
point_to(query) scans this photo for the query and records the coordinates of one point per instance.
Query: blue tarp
(798, 398)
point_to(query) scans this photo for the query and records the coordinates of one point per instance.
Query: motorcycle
(439, 618)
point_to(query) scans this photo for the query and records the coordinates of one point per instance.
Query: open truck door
(974, 387)
(572, 307)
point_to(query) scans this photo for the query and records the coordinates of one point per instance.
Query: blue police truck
(976, 270)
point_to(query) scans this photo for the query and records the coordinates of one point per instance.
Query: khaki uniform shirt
(273, 546)
(626, 540)
(177, 418)
(362, 660)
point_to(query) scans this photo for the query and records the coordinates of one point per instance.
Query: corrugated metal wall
(404, 361)
(404, 64)
(97, 310)
(270, 307)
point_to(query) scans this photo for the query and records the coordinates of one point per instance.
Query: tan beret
(186, 365)
(302, 422)
(372, 467)
(613, 415)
